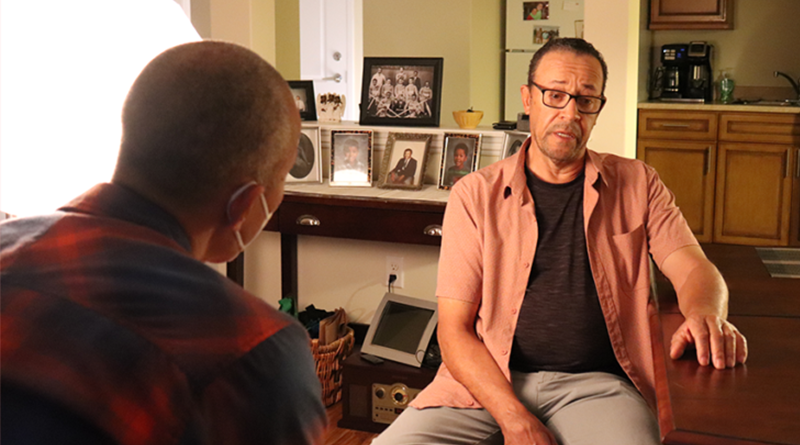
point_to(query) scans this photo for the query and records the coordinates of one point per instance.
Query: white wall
(613, 27)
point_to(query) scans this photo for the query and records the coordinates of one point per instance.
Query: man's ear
(525, 91)
(242, 203)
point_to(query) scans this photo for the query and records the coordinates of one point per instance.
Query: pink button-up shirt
(489, 241)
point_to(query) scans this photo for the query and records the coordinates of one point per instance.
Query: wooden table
(755, 403)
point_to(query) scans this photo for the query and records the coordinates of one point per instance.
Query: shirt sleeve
(270, 396)
(667, 229)
(460, 274)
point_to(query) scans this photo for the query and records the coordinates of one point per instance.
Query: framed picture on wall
(401, 91)
(513, 142)
(308, 163)
(351, 158)
(303, 94)
(459, 158)
(404, 161)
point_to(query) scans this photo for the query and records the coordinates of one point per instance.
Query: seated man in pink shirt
(544, 284)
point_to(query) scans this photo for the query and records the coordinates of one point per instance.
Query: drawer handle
(675, 125)
(797, 170)
(308, 220)
(433, 230)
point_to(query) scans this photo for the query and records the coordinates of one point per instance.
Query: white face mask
(242, 244)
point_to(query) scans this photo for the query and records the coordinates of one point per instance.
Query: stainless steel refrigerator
(528, 26)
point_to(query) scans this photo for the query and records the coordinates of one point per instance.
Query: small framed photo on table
(308, 163)
(303, 94)
(513, 142)
(351, 158)
(401, 91)
(459, 157)
(404, 161)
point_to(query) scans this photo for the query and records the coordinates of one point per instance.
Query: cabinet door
(754, 194)
(687, 169)
(691, 14)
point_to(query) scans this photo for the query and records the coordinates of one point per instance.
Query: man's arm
(703, 301)
(471, 364)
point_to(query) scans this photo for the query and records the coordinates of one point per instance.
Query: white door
(331, 49)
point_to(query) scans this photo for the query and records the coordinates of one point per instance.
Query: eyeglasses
(560, 99)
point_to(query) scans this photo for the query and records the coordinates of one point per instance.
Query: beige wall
(467, 35)
(250, 23)
(765, 38)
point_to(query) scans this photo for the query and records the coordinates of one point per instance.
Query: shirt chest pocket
(630, 260)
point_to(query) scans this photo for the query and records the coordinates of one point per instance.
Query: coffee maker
(699, 84)
(685, 73)
(671, 76)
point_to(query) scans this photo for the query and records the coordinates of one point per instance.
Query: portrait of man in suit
(405, 170)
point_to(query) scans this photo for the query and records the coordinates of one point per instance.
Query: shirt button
(470, 403)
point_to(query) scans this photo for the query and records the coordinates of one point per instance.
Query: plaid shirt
(105, 314)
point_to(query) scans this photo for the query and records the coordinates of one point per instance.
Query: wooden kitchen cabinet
(735, 176)
(682, 148)
(691, 14)
(754, 194)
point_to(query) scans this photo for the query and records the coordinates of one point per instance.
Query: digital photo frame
(401, 329)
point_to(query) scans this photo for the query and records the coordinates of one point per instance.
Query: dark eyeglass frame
(571, 96)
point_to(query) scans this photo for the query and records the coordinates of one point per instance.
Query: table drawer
(366, 223)
(677, 125)
(760, 127)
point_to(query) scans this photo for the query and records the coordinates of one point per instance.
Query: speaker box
(373, 395)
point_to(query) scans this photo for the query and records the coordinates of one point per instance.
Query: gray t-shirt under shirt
(561, 325)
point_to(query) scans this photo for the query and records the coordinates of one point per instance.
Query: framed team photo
(513, 142)
(459, 158)
(401, 91)
(351, 158)
(404, 161)
(303, 95)
(308, 163)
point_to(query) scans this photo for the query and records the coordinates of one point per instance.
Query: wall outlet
(394, 265)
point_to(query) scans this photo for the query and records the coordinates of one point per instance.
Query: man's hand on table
(712, 337)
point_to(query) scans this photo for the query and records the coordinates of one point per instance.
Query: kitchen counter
(716, 106)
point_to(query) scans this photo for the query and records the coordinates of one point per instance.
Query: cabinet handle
(786, 173)
(669, 125)
(707, 167)
(308, 220)
(433, 230)
(797, 159)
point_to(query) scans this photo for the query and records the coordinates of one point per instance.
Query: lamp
(65, 69)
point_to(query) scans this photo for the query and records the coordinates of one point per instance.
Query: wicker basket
(328, 360)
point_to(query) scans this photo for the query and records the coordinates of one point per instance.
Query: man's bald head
(204, 117)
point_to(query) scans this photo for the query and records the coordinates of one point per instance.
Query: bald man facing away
(113, 329)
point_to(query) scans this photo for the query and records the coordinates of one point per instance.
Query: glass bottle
(726, 86)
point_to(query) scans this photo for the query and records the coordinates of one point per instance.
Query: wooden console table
(371, 214)
(755, 403)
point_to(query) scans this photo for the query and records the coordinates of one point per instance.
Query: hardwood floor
(341, 436)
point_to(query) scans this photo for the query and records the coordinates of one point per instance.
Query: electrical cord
(390, 285)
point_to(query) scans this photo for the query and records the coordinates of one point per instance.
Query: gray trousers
(580, 409)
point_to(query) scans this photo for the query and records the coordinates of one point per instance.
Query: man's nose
(570, 111)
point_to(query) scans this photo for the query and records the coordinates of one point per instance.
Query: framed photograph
(536, 10)
(351, 158)
(401, 91)
(544, 34)
(404, 161)
(308, 164)
(513, 142)
(303, 93)
(459, 158)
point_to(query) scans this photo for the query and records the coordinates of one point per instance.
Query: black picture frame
(308, 163)
(396, 111)
(303, 93)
